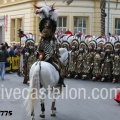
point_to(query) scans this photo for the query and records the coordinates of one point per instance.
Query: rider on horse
(48, 45)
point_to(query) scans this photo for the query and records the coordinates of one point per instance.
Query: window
(15, 25)
(12, 30)
(19, 21)
(80, 24)
(117, 26)
(62, 24)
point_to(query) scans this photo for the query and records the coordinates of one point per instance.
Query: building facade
(80, 15)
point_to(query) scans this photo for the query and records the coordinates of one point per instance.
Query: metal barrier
(14, 63)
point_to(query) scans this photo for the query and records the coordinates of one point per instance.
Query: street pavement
(83, 105)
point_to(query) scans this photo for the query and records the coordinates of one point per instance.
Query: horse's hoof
(32, 114)
(55, 108)
(42, 116)
(53, 114)
(33, 119)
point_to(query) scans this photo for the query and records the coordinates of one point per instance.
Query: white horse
(45, 74)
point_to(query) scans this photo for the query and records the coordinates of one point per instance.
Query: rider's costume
(48, 44)
(29, 57)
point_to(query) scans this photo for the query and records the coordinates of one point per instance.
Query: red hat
(68, 32)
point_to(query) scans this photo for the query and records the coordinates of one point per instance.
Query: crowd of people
(5, 52)
(96, 61)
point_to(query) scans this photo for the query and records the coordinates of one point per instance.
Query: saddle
(53, 60)
(55, 63)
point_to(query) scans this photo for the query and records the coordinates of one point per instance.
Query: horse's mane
(62, 50)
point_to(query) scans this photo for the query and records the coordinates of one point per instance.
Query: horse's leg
(53, 108)
(32, 115)
(42, 115)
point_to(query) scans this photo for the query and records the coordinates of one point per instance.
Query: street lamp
(20, 32)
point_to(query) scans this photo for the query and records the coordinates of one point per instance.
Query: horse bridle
(66, 60)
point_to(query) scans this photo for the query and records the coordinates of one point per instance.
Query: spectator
(11, 52)
(3, 58)
(6, 45)
(0, 47)
(1, 43)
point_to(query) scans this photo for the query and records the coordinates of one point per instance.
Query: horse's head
(64, 53)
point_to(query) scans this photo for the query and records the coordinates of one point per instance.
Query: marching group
(98, 61)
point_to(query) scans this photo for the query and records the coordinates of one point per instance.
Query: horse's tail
(33, 88)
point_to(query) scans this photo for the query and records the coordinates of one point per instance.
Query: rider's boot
(61, 71)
